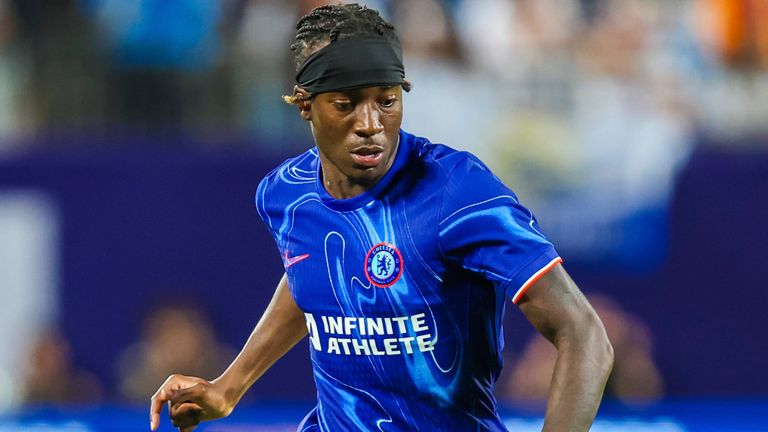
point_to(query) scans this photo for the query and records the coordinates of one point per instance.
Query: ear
(304, 101)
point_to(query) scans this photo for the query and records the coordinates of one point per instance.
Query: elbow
(588, 340)
(606, 355)
(595, 345)
(602, 348)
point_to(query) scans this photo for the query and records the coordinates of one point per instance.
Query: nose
(368, 121)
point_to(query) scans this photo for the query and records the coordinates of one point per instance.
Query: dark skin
(560, 312)
(345, 123)
(357, 135)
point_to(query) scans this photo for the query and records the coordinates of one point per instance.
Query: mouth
(367, 156)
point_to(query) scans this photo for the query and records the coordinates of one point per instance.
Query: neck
(343, 187)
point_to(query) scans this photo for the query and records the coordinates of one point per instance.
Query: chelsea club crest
(383, 265)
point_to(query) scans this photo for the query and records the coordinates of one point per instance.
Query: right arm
(194, 399)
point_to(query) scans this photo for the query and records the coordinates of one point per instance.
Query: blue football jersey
(404, 286)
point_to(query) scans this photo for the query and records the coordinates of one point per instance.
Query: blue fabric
(404, 286)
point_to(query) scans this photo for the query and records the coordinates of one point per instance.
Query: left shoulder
(447, 159)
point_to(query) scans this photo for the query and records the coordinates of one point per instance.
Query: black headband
(351, 63)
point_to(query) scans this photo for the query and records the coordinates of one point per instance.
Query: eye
(342, 105)
(388, 102)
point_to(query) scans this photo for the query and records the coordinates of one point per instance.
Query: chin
(367, 174)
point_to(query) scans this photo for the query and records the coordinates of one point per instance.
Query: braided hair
(328, 23)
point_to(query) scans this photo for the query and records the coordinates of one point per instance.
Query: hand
(190, 401)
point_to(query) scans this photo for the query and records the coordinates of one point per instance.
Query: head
(355, 120)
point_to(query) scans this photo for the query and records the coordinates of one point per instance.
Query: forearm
(584, 361)
(279, 329)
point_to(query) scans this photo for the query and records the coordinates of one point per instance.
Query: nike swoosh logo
(287, 262)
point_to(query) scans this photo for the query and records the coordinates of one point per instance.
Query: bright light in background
(28, 282)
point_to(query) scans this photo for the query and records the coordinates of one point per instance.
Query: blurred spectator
(635, 378)
(7, 85)
(595, 129)
(161, 57)
(175, 339)
(264, 71)
(12, 76)
(436, 64)
(738, 29)
(51, 377)
(7, 23)
(735, 35)
(66, 86)
(434, 39)
(29, 269)
(508, 37)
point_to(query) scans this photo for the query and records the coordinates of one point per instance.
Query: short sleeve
(484, 229)
(266, 208)
(260, 201)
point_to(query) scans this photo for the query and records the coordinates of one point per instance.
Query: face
(356, 132)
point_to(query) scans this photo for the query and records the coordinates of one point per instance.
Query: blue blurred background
(133, 135)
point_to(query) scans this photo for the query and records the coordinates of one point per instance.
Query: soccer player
(399, 257)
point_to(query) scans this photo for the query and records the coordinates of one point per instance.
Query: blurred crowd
(569, 101)
(635, 380)
(588, 108)
(180, 338)
(175, 337)
(219, 67)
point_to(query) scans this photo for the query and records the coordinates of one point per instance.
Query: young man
(399, 256)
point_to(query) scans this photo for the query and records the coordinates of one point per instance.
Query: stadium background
(133, 135)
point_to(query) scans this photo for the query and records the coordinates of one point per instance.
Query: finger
(186, 415)
(156, 407)
(189, 394)
(184, 409)
(163, 395)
